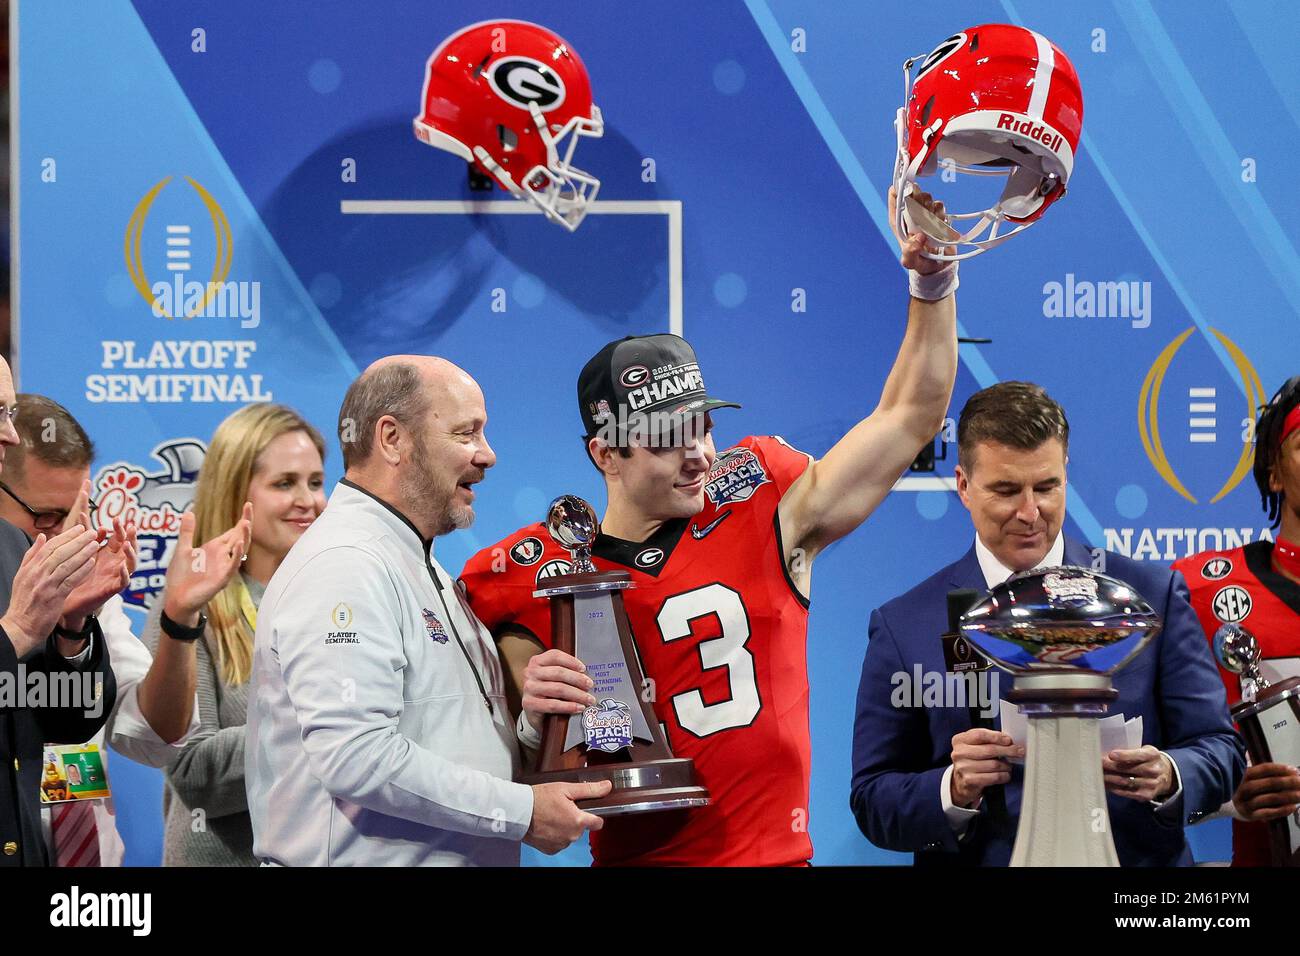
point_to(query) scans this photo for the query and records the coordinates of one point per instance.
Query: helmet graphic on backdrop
(992, 100)
(513, 98)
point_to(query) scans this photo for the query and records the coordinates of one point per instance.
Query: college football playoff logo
(1203, 411)
(194, 299)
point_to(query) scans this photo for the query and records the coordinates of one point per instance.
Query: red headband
(1292, 423)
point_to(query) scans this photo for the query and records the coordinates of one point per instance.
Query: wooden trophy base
(642, 787)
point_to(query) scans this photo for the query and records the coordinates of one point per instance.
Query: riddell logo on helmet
(1027, 127)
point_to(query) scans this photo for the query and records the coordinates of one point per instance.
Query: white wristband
(527, 734)
(936, 286)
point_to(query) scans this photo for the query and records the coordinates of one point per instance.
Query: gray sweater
(204, 804)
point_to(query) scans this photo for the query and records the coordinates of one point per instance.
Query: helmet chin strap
(915, 217)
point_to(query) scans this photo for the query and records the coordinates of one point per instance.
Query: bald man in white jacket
(378, 730)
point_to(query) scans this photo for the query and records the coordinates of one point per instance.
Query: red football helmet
(505, 95)
(993, 100)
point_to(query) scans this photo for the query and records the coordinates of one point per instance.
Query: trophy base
(646, 787)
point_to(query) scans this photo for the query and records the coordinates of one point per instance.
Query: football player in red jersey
(1258, 587)
(720, 548)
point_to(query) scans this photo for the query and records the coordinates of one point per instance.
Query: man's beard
(420, 490)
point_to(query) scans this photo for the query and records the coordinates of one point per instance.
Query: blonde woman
(264, 467)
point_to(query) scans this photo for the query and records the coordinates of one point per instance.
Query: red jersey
(722, 632)
(1241, 587)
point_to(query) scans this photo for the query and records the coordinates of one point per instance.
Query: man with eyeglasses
(156, 711)
(49, 636)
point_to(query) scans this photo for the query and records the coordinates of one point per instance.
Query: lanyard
(247, 606)
(437, 583)
(455, 632)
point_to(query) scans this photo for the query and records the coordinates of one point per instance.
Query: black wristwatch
(179, 632)
(84, 634)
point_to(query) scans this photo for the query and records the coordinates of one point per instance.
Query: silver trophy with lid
(1062, 633)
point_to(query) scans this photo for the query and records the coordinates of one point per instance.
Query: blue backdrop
(250, 142)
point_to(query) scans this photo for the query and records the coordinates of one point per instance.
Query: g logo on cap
(634, 375)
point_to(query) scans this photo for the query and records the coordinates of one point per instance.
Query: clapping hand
(196, 575)
(114, 562)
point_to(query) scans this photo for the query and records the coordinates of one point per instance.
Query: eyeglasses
(41, 520)
(8, 415)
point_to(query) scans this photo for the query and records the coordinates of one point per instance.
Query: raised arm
(839, 492)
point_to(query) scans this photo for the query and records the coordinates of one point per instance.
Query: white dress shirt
(370, 740)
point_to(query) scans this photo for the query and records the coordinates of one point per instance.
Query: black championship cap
(646, 384)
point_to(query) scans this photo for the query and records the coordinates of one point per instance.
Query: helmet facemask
(558, 188)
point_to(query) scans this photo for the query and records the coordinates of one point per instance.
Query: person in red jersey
(1258, 587)
(720, 547)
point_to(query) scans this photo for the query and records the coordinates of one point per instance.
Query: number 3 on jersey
(727, 650)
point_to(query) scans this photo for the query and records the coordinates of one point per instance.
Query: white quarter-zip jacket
(371, 741)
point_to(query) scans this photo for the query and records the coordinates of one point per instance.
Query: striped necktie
(75, 834)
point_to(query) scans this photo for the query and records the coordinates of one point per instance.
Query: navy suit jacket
(900, 753)
(25, 730)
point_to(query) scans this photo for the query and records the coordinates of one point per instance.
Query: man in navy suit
(929, 779)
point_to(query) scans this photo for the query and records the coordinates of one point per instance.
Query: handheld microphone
(960, 601)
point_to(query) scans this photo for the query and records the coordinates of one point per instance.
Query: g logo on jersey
(1216, 569)
(1232, 604)
(526, 552)
(649, 557)
(551, 568)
